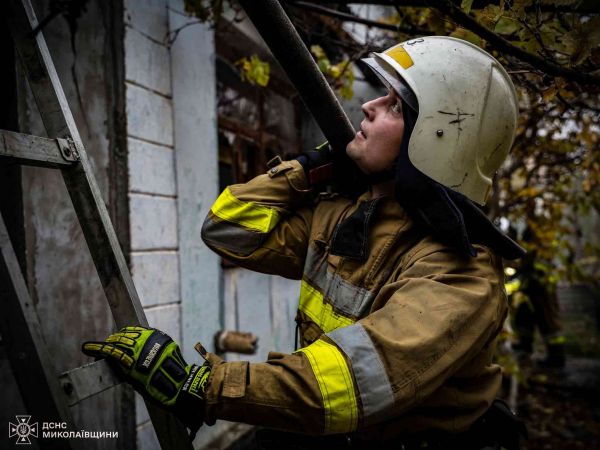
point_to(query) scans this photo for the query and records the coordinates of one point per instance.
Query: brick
(149, 17)
(149, 115)
(141, 412)
(153, 222)
(151, 168)
(147, 62)
(156, 277)
(146, 437)
(166, 318)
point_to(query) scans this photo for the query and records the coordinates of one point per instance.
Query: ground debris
(561, 407)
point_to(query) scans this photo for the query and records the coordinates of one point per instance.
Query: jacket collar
(351, 236)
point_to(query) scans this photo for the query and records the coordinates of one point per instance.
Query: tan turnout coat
(399, 343)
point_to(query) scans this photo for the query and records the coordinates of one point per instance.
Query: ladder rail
(81, 184)
(22, 335)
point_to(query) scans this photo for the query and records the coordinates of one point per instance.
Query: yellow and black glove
(152, 362)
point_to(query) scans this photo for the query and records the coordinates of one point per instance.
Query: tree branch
(504, 46)
(452, 10)
(582, 7)
(352, 18)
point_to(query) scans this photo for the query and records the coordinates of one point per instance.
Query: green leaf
(507, 25)
(347, 92)
(465, 5)
(324, 65)
(254, 70)
(518, 7)
(467, 35)
(318, 51)
(489, 16)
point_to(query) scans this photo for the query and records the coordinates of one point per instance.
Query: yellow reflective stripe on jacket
(248, 214)
(336, 385)
(312, 304)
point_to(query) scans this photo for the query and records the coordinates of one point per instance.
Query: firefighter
(538, 308)
(401, 296)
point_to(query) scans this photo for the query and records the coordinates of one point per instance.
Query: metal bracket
(68, 149)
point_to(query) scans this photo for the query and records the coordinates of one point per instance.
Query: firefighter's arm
(263, 225)
(439, 313)
(281, 393)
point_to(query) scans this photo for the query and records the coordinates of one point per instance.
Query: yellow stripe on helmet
(250, 215)
(399, 55)
(336, 385)
(312, 304)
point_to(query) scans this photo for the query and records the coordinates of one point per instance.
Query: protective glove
(318, 164)
(152, 362)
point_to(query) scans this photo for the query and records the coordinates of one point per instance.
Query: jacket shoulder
(448, 259)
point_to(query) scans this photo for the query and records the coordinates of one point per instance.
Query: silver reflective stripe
(371, 378)
(231, 237)
(349, 298)
(344, 296)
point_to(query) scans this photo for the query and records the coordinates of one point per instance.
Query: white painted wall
(152, 177)
(173, 181)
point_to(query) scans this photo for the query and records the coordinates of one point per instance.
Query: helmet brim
(392, 80)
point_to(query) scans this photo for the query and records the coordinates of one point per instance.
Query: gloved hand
(152, 362)
(318, 164)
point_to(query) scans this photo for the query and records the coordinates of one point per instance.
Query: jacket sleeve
(263, 225)
(439, 314)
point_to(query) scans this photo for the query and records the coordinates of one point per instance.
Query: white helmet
(467, 109)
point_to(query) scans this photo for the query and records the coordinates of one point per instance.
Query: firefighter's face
(377, 143)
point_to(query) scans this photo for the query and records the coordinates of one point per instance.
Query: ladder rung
(37, 151)
(87, 380)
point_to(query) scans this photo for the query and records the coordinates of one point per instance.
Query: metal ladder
(45, 394)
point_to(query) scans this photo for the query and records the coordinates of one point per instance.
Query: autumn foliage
(549, 185)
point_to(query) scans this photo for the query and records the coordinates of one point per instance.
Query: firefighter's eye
(397, 108)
